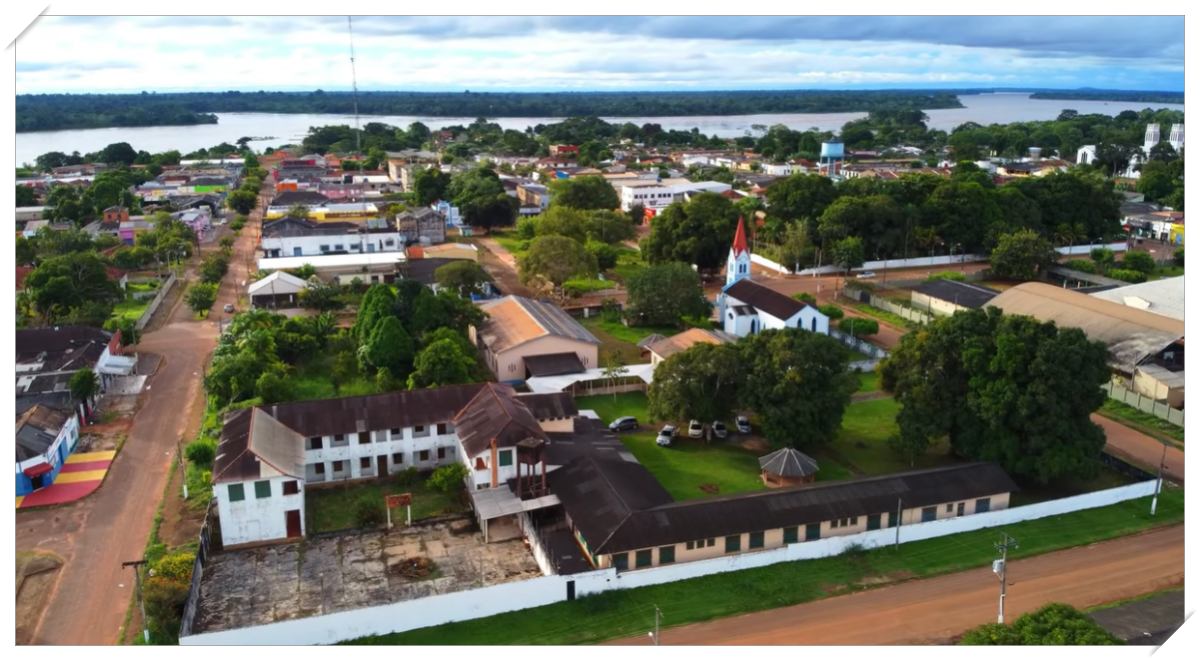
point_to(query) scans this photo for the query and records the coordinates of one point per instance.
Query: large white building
(658, 195)
(747, 307)
(269, 455)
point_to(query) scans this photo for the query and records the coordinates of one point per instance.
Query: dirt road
(96, 534)
(1146, 451)
(937, 609)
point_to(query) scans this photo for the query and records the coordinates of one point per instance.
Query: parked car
(743, 424)
(695, 429)
(719, 429)
(665, 436)
(627, 423)
(229, 307)
(866, 274)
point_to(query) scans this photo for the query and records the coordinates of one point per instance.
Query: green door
(873, 522)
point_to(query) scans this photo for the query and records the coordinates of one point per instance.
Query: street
(96, 534)
(935, 610)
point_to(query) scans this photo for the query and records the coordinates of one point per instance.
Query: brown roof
(495, 415)
(765, 299)
(404, 408)
(515, 320)
(553, 364)
(669, 346)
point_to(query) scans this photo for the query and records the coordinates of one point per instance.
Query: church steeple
(738, 264)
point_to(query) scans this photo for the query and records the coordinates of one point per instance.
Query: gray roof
(962, 294)
(1163, 297)
(36, 430)
(788, 462)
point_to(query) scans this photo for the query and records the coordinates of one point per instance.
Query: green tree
(847, 253)
(1139, 260)
(201, 296)
(430, 185)
(375, 305)
(1052, 624)
(241, 201)
(480, 197)
(84, 385)
(800, 197)
(118, 152)
(324, 296)
(442, 363)
(859, 326)
(662, 294)
(798, 383)
(696, 232)
(1022, 255)
(556, 259)
(63, 283)
(462, 277)
(272, 387)
(26, 197)
(388, 346)
(1157, 180)
(604, 254)
(588, 192)
(701, 383)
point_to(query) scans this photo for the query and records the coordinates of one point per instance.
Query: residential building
(48, 357)
(115, 214)
(519, 328)
(45, 437)
(533, 195)
(945, 297)
(746, 307)
(422, 225)
(298, 237)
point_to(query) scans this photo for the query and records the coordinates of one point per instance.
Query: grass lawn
(130, 309)
(1140, 420)
(311, 380)
(1166, 272)
(629, 262)
(620, 341)
(862, 440)
(610, 407)
(868, 381)
(878, 313)
(332, 508)
(511, 243)
(148, 285)
(629, 612)
(721, 467)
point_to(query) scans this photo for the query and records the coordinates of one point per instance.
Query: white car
(743, 424)
(866, 274)
(695, 429)
(665, 436)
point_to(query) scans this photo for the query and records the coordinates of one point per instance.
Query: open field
(332, 508)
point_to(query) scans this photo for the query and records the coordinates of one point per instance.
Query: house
(280, 289)
(298, 237)
(270, 456)
(533, 195)
(746, 307)
(198, 220)
(48, 357)
(289, 199)
(422, 225)
(622, 517)
(948, 296)
(665, 347)
(115, 214)
(45, 437)
(1136, 339)
(519, 328)
(130, 230)
(368, 267)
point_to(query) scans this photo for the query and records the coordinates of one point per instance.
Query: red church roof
(739, 238)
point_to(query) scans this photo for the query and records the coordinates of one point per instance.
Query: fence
(913, 315)
(332, 628)
(158, 299)
(1143, 403)
(859, 345)
(209, 535)
(1116, 246)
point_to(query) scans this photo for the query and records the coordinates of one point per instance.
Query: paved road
(96, 534)
(937, 609)
(1147, 451)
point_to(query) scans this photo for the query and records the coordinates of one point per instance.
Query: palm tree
(84, 385)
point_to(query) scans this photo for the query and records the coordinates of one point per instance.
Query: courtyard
(332, 573)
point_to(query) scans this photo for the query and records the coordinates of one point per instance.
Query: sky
(571, 53)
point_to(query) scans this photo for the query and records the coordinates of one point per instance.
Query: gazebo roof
(788, 462)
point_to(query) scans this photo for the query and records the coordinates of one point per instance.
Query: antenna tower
(354, 86)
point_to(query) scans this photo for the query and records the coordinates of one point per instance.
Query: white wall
(254, 519)
(311, 245)
(1116, 246)
(383, 442)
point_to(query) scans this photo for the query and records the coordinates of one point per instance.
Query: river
(291, 128)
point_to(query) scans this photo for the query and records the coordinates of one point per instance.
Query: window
(364, 463)
(319, 469)
(506, 458)
(928, 514)
(666, 555)
(733, 543)
(643, 559)
(292, 487)
(756, 540)
(364, 437)
(395, 433)
(397, 457)
(949, 507)
(262, 489)
(338, 438)
(791, 535)
(812, 532)
(620, 561)
(712, 541)
(389, 242)
(337, 246)
(983, 505)
(325, 247)
(420, 431)
(423, 455)
(443, 428)
(314, 443)
(690, 545)
(236, 492)
(339, 466)
(962, 509)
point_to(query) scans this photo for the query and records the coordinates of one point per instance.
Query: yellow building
(1176, 235)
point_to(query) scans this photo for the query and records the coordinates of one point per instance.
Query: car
(695, 429)
(229, 307)
(743, 424)
(866, 274)
(627, 423)
(719, 430)
(665, 436)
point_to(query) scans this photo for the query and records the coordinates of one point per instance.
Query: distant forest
(1111, 95)
(44, 112)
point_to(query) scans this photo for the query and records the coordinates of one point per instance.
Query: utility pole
(1000, 568)
(654, 635)
(137, 581)
(899, 520)
(1158, 485)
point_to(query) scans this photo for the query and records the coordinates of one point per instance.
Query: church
(747, 307)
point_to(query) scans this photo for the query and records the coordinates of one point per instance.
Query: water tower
(1035, 154)
(832, 155)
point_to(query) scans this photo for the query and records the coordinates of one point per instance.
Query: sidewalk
(80, 475)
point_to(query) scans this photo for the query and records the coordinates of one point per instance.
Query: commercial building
(45, 437)
(519, 329)
(656, 195)
(301, 237)
(369, 267)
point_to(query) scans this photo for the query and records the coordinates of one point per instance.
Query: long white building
(297, 237)
(658, 195)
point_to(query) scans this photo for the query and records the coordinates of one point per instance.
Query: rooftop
(960, 293)
(668, 346)
(1162, 297)
(36, 430)
(515, 320)
(332, 261)
(765, 299)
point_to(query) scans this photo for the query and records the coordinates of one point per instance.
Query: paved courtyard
(334, 573)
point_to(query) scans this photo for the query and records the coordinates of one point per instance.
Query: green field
(1145, 422)
(620, 341)
(878, 313)
(868, 381)
(332, 508)
(621, 613)
(312, 380)
(130, 309)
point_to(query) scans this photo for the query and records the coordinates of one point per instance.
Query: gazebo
(787, 467)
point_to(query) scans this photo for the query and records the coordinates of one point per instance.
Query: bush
(201, 451)
(164, 599)
(408, 477)
(448, 478)
(1139, 261)
(227, 242)
(1128, 275)
(1085, 265)
(606, 255)
(176, 566)
(858, 326)
(832, 311)
(806, 297)
(369, 512)
(581, 286)
(1179, 257)
(947, 275)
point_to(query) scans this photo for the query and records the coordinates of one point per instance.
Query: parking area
(347, 571)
